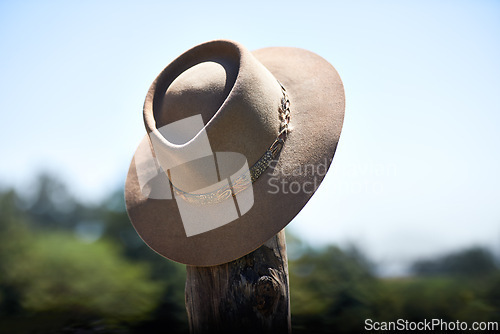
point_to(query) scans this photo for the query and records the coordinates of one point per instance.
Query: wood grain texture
(248, 295)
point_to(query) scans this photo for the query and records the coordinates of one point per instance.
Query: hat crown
(237, 97)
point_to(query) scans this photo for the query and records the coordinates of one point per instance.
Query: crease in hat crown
(247, 120)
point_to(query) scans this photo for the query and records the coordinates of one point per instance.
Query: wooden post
(248, 295)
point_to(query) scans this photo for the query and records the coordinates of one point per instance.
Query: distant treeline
(69, 267)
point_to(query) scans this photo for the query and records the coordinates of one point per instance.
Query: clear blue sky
(416, 171)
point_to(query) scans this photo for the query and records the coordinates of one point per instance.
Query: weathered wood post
(247, 295)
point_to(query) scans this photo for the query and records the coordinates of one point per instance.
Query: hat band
(248, 177)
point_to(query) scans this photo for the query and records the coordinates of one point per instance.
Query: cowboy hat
(237, 142)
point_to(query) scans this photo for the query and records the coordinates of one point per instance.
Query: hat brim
(316, 116)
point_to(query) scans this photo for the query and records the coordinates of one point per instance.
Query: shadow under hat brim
(316, 115)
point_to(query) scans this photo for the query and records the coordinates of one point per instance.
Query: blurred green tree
(331, 290)
(57, 272)
(473, 262)
(80, 271)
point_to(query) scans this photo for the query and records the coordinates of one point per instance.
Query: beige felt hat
(237, 142)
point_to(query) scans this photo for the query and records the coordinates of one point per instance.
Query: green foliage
(58, 272)
(67, 267)
(79, 269)
(472, 262)
(447, 298)
(334, 291)
(330, 289)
